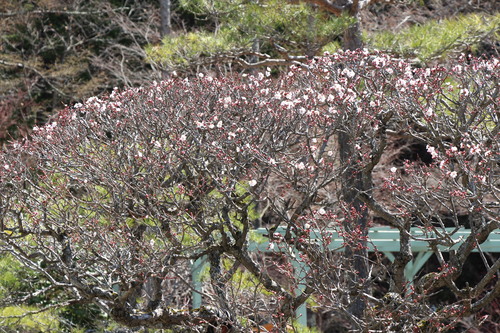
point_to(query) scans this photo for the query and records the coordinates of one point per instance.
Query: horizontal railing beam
(383, 239)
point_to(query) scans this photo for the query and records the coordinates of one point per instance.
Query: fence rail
(381, 239)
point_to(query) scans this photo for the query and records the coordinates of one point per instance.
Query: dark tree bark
(354, 181)
(352, 36)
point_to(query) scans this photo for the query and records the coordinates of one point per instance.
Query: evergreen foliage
(249, 30)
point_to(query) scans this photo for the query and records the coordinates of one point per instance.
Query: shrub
(115, 198)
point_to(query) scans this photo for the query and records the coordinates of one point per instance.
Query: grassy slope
(434, 29)
(440, 39)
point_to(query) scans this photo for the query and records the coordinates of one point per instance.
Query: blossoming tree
(115, 199)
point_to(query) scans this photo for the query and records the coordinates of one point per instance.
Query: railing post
(300, 274)
(416, 264)
(412, 267)
(196, 270)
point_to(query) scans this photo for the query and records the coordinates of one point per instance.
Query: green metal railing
(381, 239)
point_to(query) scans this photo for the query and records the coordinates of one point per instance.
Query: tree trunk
(355, 222)
(165, 25)
(352, 36)
(354, 182)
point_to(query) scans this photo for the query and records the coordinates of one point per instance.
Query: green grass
(17, 317)
(437, 39)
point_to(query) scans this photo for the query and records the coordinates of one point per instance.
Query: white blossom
(227, 100)
(458, 69)
(347, 72)
(287, 104)
(379, 62)
(475, 149)
(338, 88)
(332, 110)
(431, 150)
